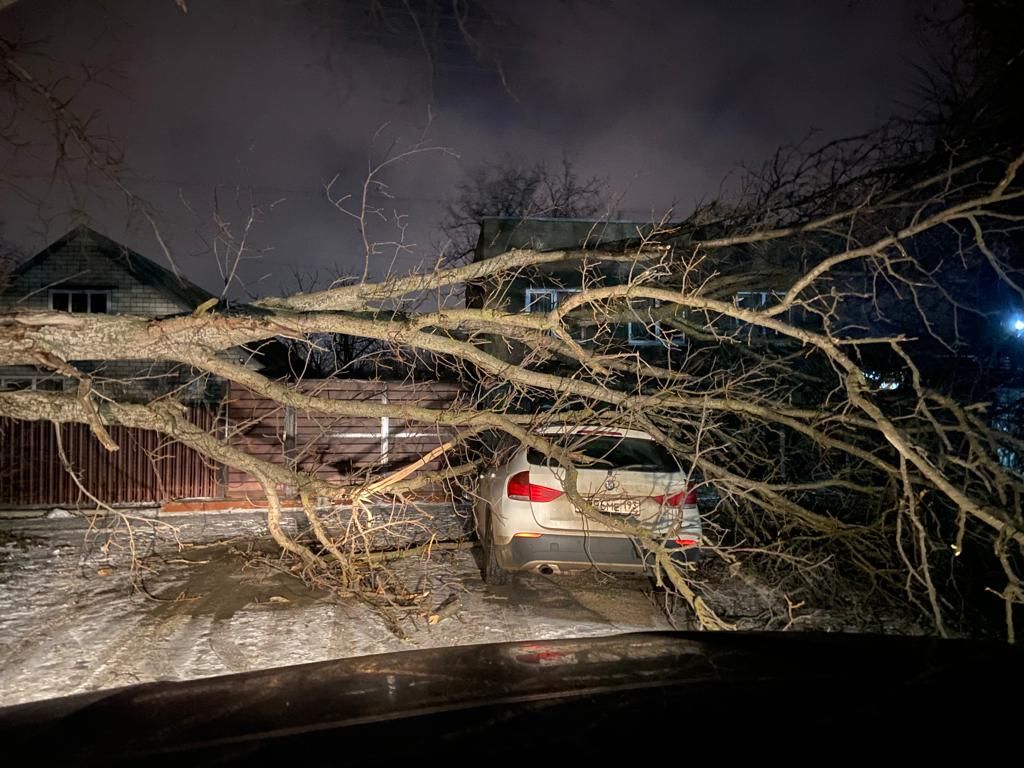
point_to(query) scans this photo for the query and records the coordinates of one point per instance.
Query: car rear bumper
(574, 551)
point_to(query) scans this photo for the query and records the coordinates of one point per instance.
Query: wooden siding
(335, 449)
(148, 467)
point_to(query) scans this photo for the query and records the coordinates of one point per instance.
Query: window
(540, 300)
(644, 331)
(11, 383)
(543, 300)
(93, 302)
(641, 331)
(647, 334)
(614, 452)
(756, 301)
(884, 381)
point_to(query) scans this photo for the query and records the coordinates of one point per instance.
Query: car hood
(557, 697)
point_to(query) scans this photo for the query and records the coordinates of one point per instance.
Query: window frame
(760, 304)
(30, 383)
(766, 301)
(652, 334)
(89, 292)
(557, 294)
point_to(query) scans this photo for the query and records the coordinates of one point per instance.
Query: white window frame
(557, 295)
(90, 292)
(651, 334)
(761, 304)
(762, 294)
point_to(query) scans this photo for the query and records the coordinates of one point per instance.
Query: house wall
(80, 263)
(133, 381)
(509, 294)
(764, 268)
(499, 235)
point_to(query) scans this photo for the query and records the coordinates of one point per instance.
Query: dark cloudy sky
(274, 97)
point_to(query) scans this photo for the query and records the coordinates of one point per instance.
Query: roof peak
(170, 282)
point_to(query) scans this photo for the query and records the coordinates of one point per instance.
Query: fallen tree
(852, 427)
(808, 451)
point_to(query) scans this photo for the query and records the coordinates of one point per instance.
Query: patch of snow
(72, 624)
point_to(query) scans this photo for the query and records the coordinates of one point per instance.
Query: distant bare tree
(327, 355)
(972, 83)
(516, 189)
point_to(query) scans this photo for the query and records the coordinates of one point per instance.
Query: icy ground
(70, 622)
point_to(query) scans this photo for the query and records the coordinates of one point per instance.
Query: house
(752, 277)
(953, 347)
(87, 272)
(543, 289)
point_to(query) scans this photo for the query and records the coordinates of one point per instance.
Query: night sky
(664, 99)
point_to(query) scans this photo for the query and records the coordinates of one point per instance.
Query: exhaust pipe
(546, 569)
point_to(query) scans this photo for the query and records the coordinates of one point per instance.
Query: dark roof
(146, 271)
(499, 234)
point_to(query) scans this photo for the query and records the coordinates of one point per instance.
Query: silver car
(525, 520)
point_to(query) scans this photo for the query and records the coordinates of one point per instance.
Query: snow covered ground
(70, 621)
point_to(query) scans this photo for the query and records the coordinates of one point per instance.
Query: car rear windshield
(611, 452)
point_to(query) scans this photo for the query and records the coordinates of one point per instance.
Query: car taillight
(521, 489)
(687, 498)
(686, 542)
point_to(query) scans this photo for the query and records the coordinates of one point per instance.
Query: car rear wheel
(494, 574)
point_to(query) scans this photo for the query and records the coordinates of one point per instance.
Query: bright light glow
(876, 378)
(1018, 325)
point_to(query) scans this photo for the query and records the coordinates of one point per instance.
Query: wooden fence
(148, 467)
(151, 468)
(335, 449)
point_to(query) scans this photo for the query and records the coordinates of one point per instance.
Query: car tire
(494, 574)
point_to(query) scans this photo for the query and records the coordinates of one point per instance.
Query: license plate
(619, 506)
